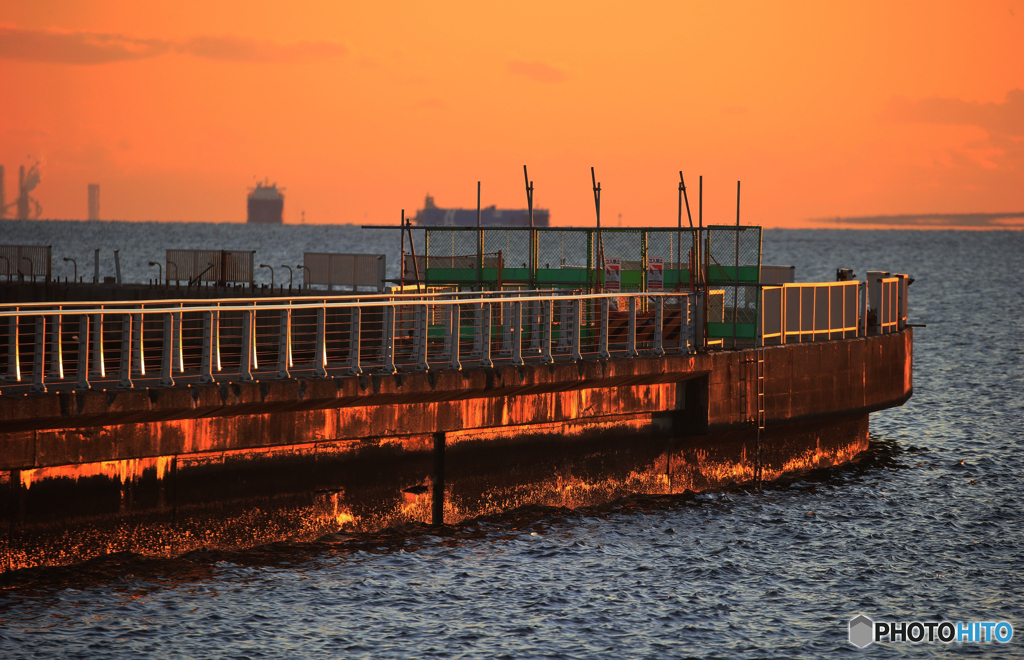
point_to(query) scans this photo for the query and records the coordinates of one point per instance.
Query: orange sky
(822, 109)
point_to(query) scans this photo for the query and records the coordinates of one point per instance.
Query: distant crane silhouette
(25, 204)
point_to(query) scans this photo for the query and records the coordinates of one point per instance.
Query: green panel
(515, 274)
(562, 275)
(633, 277)
(724, 274)
(724, 330)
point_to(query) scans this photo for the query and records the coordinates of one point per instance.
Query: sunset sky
(822, 109)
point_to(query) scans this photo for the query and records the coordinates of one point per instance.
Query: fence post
(659, 322)
(536, 312)
(246, 361)
(284, 345)
(320, 356)
(517, 333)
(167, 352)
(13, 350)
(564, 312)
(576, 319)
(99, 367)
(602, 345)
(177, 350)
(455, 316)
(124, 380)
(421, 326)
(206, 365)
(506, 329)
(354, 341)
(39, 356)
(484, 326)
(389, 339)
(137, 337)
(216, 338)
(862, 326)
(56, 347)
(631, 332)
(545, 331)
(696, 307)
(83, 353)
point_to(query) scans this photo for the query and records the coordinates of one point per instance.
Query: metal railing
(163, 342)
(823, 311)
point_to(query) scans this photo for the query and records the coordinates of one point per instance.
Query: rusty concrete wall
(237, 464)
(709, 392)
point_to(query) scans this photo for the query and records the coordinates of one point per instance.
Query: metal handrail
(525, 320)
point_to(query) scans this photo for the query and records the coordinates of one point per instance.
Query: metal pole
(695, 243)
(412, 248)
(401, 262)
(600, 238)
(479, 242)
(736, 275)
(532, 233)
(704, 270)
(679, 232)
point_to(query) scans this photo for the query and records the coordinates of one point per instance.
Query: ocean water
(928, 525)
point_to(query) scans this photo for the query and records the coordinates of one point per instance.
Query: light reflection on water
(929, 526)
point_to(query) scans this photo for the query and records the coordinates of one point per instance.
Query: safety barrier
(822, 311)
(163, 342)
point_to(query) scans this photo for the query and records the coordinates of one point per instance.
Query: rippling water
(928, 525)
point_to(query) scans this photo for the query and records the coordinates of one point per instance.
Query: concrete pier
(235, 464)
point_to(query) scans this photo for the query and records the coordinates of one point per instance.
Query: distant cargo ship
(266, 204)
(432, 216)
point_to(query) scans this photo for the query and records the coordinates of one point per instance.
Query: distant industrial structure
(25, 207)
(432, 216)
(94, 201)
(266, 204)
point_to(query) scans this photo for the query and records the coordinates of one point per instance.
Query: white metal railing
(161, 342)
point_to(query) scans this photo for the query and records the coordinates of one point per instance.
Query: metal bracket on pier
(506, 329)
(13, 350)
(56, 347)
(82, 382)
(284, 345)
(419, 342)
(535, 311)
(631, 332)
(206, 365)
(248, 354)
(454, 318)
(517, 333)
(39, 358)
(545, 332)
(562, 316)
(166, 352)
(388, 339)
(320, 354)
(99, 366)
(482, 334)
(354, 341)
(137, 344)
(124, 372)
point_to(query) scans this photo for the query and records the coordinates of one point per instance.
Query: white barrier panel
(345, 270)
(795, 313)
